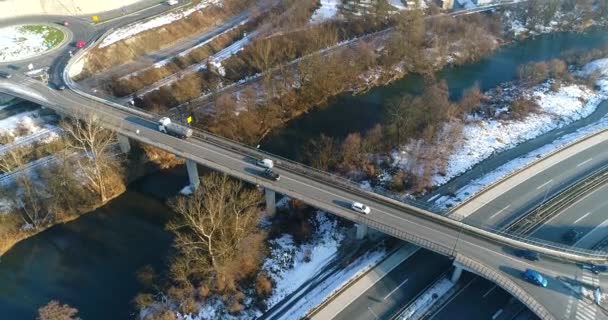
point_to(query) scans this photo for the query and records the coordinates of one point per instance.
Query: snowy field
(21, 42)
(559, 108)
(159, 21)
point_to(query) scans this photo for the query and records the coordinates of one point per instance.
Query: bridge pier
(456, 273)
(271, 203)
(361, 232)
(123, 142)
(192, 168)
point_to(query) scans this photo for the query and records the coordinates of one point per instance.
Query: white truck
(166, 126)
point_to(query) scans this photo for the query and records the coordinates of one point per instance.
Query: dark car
(527, 254)
(269, 174)
(597, 269)
(5, 75)
(571, 236)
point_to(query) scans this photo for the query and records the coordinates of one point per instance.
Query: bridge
(483, 252)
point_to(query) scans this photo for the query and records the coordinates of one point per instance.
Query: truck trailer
(166, 126)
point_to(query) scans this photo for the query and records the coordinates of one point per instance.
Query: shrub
(263, 286)
(521, 108)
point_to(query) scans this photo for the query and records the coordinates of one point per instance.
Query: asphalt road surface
(589, 215)
(478, 299)
(397, 288)
(538, 188)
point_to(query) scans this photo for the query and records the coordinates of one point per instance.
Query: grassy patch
(52, 36)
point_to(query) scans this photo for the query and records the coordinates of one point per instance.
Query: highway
(470, 247)
(477, 299)
(535, 189)
(589, 215)
(398, 287)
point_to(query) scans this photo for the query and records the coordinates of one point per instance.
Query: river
(90, 263)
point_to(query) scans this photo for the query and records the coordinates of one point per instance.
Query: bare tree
(13, 159)
(213, 222)
(57, 311)
(96, 161)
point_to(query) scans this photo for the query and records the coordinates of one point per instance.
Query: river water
(90, 263)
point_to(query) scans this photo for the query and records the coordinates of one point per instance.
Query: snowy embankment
(159, 21)
(292, 268)
(27, 126)
(559, 109)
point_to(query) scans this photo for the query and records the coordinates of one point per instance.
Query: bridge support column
(456, 273)
(271, 203)
(193, 174)
(123, 142)
(361, 231)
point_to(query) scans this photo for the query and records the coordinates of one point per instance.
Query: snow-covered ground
(18, 42)
(328, 10)
(23, 125)
(159, 21)
(291, 266)
(488, 137)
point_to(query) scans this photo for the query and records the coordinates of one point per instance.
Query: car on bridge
(572, 236)
(535, 277)
(269, 174)
(527, 254)
(265, 163)
(597, 269)
(360, 207)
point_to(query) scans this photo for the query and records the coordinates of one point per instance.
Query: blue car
(535, 277)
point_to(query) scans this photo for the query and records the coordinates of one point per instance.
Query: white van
(172, 2)
(265, 163)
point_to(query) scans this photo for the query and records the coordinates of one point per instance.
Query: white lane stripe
(582, 163)
(433, 198)
(499, 212)
(583, 217)
(489, 291)
(544, 184)
(397, 287)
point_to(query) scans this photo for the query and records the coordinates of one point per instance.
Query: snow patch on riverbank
(159, 21)
(559, 109)
(487, 137)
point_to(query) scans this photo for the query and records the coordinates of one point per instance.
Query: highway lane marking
(583, 217)
(544, 184)
(582, 163)
(372, 312)
(499, 212)
(397, 287)
(488, 292)
(601, 225)
(497, 314)
(433, 197)
(454, 296)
